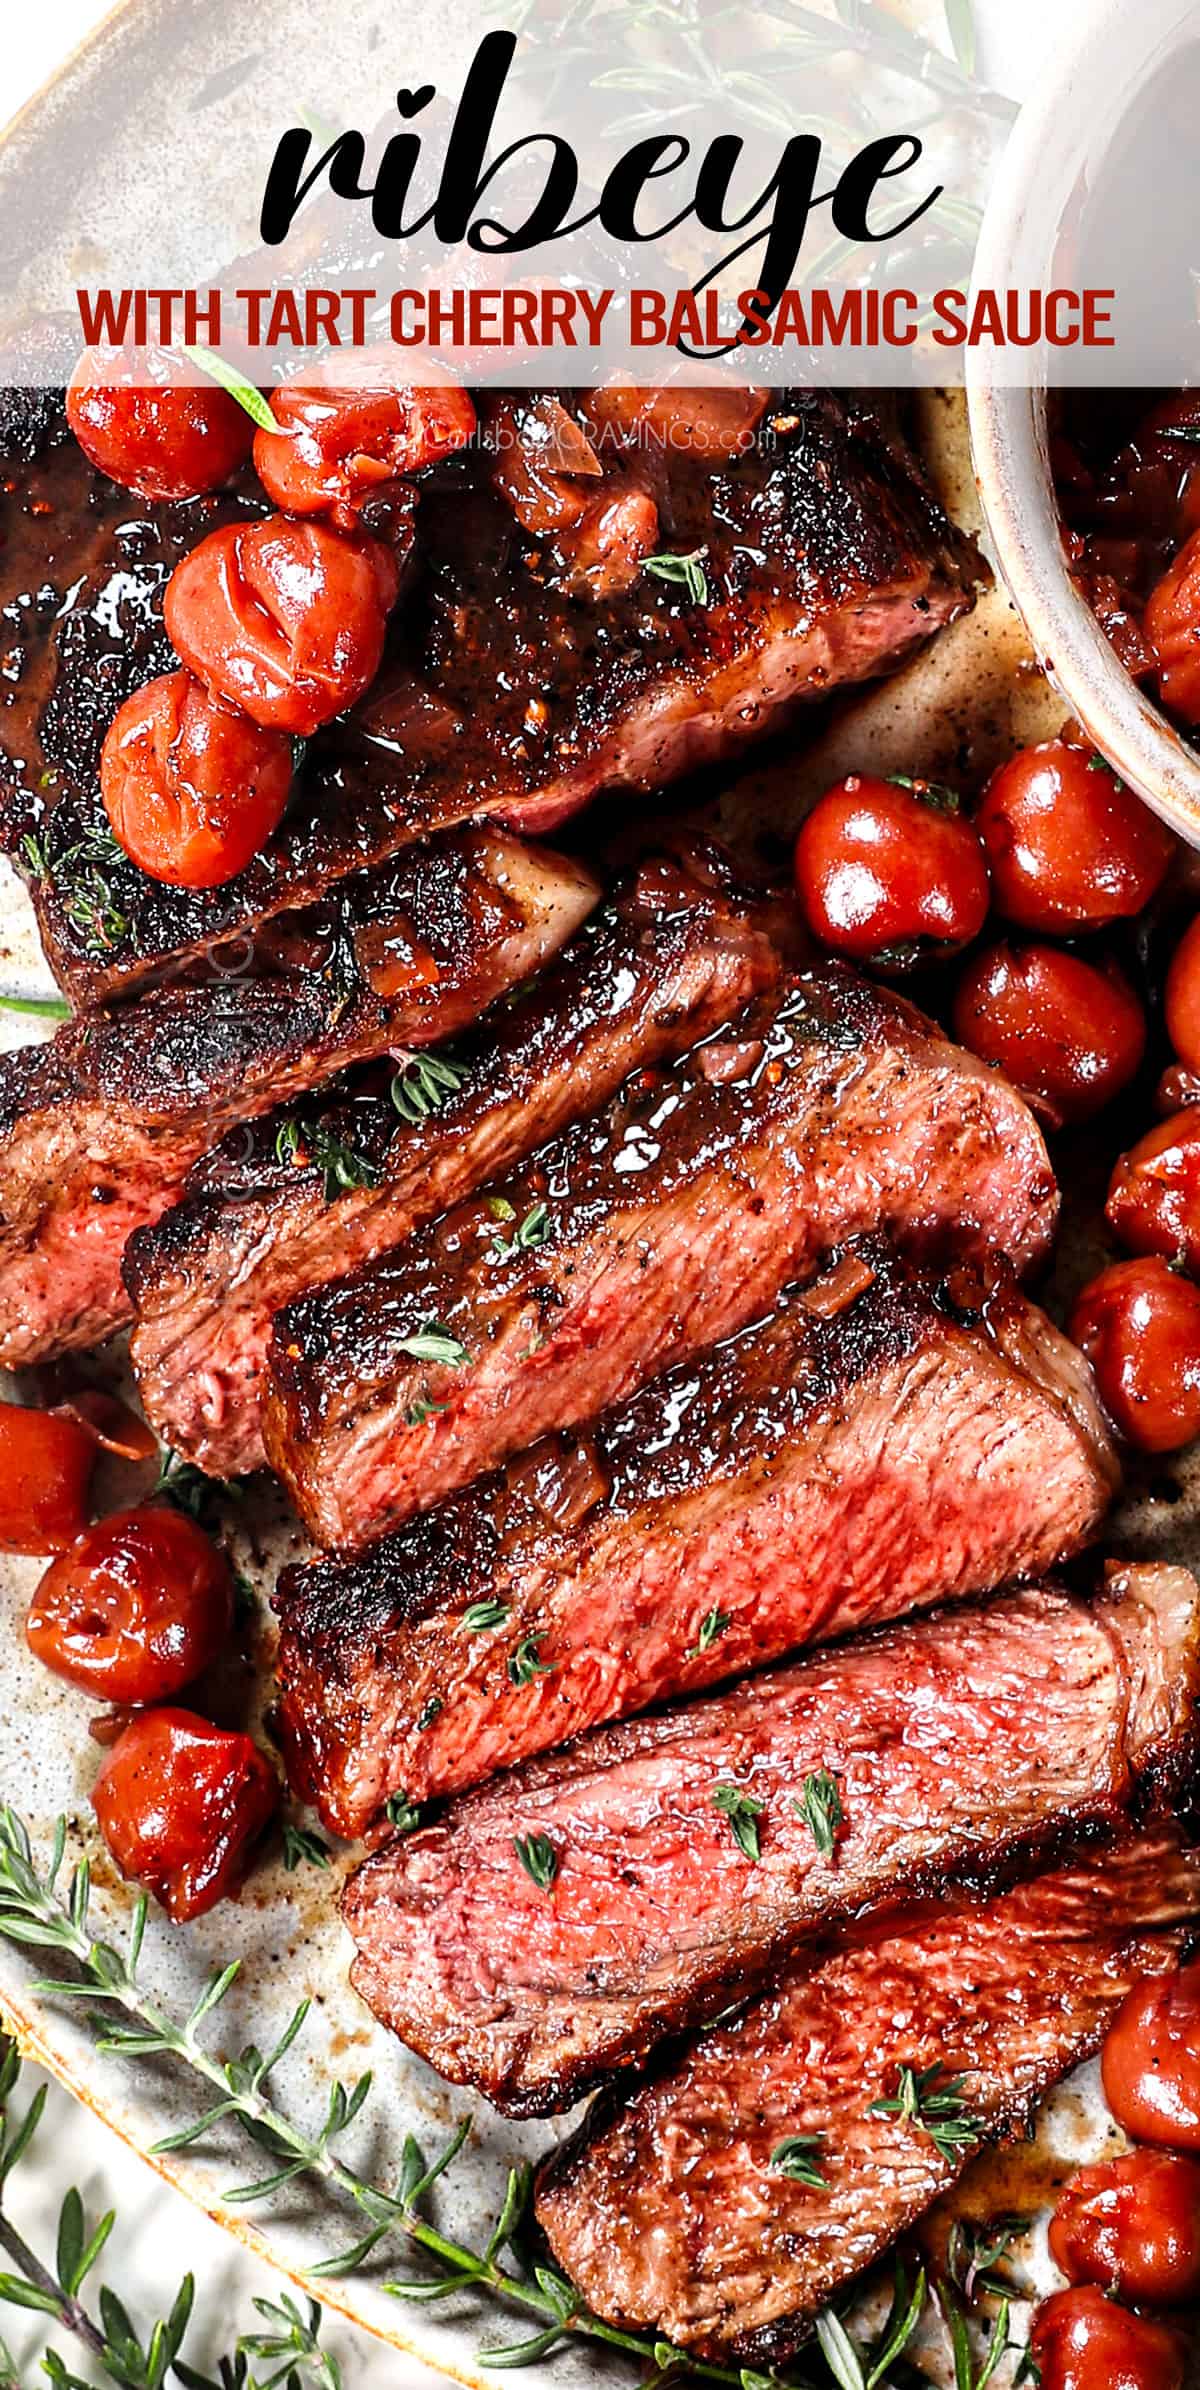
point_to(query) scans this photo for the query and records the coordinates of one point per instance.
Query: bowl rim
(1046, 156)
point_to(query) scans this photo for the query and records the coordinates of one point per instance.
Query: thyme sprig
(932, 2100)
(423, 1085)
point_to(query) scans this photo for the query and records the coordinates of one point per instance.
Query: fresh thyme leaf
(685, 572)
(798, 2158)
(743, 1812)
(301, 1845)
(523, 1661)
(423, 1085)
(533, 1231)
(538, 1857)
(479, 1618)
(498, 1207)
(433, 1342)
(710, 1628)
(933, 793)
(403, 1814)
(342, 1166)
(39, 1008)
(247, 395)
(433, 1709)
(35, 855)
(932, 2101)
(422, 1409)
(820, 1805)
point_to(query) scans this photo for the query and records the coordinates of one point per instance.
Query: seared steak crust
(878, 1443)
(826, 557)
(676, 1868)
(675, 954)
(638, 1237)
(98, 1128)
(668, 2212)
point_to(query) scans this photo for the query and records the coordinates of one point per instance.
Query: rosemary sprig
(38, 1008)
(932, 2101)
(35, 1913)
(423, 1085)
(247, 395)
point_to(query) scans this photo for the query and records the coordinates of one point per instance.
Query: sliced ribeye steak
(551, 1926)
(640, 1236)
(826, 560)
(678, 2212)
(674, 955)
(98, 1128)
(880, 1442)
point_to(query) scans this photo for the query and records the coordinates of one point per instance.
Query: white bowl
(1055, 155)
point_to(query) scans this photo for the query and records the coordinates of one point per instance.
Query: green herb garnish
(523, 1662)
(301, 1845)
(400, 1812)
(743, 1812)
(932, 2101)
(246, 393)
(433, 1342)
(532, 1232)
(423, 1085)
(479, 1618)
(538, 1857)
(684, 572)
(39, 1008)
(710, 1629)
(820, 1805)
(797, 2158)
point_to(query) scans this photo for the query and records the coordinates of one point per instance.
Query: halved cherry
(180, 1804)
(135, 1608)
(162, 436)
(192, 789)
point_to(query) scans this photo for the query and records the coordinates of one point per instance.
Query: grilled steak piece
(675, 955)
(878, 1443)
(554, 1924)
(670, 2213)
(639, 1237)
(827, 560)
(98, 1128)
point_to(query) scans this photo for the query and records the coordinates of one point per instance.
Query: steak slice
(878, 1443)
(98, 1128)
(670, 2213)
(640, 1237)
(826, 558)
(556, 1923)
(675, 954)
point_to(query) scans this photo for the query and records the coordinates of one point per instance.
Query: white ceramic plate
(283, 1932)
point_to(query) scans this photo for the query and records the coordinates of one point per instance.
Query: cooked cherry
(337, 443)
(1133, 2226)
(1182, 998)
(1069, 1033)
(134, 1608)
(46, 1463)
(1154, 1194)
(193, 790)
(1151, 2060)
(1139, 1324)
(883, 868)
(1172, 626)
(286, 620)
(1081, 2341)
(1068, 845)
(180, 1804)
(164, 438)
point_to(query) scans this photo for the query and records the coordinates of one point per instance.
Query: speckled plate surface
(976, 691)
